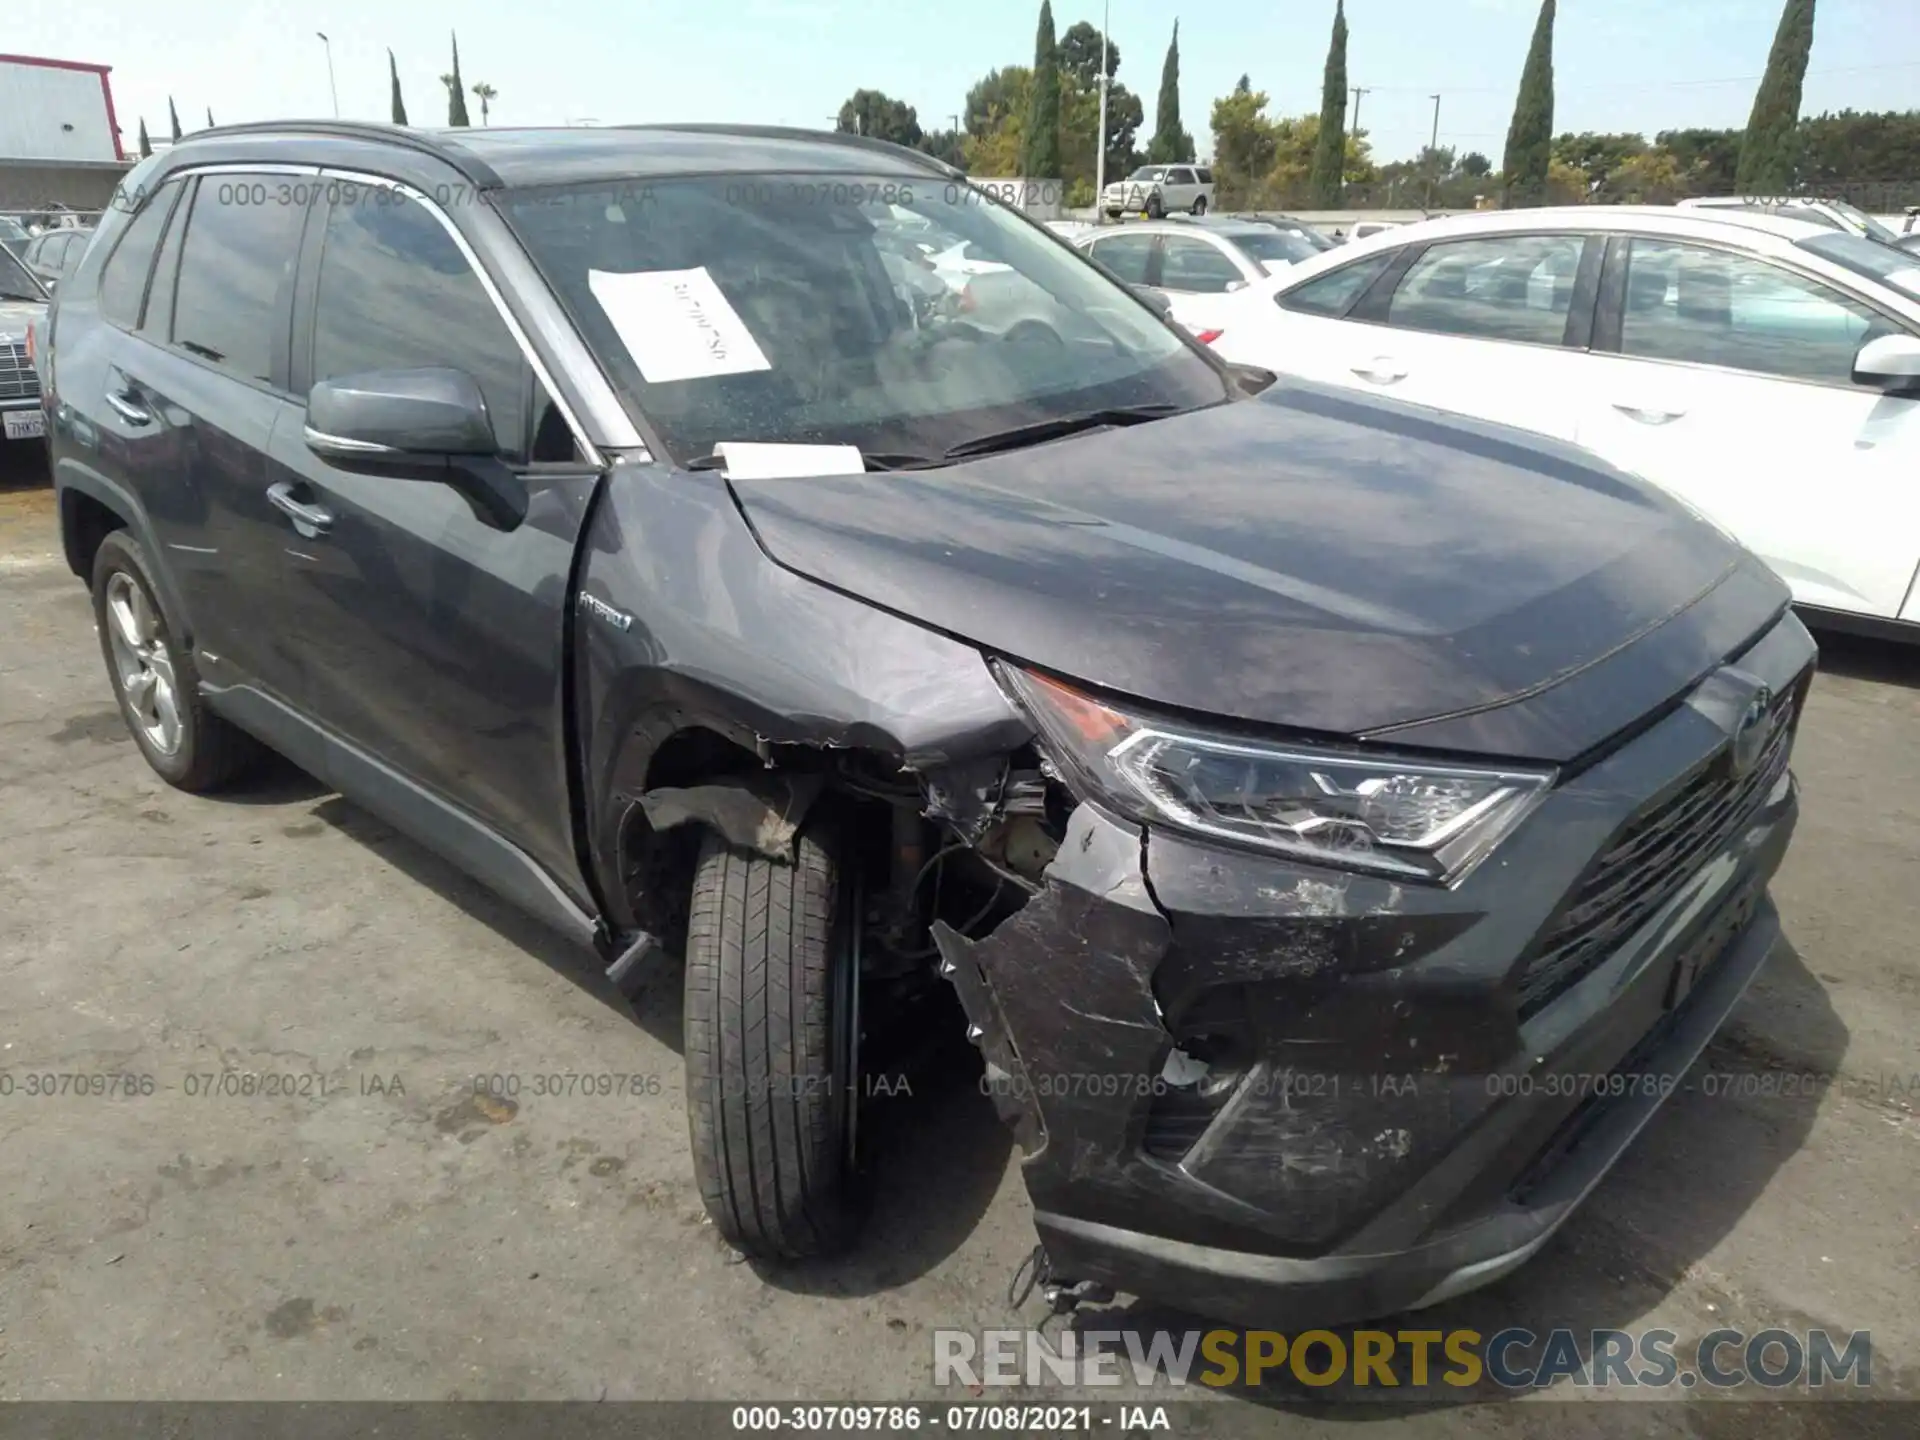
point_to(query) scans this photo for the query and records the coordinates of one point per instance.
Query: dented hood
(1304, 559)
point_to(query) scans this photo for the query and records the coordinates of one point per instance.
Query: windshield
(1149, 172)
(1873, 228)
(1267, 243)
(15, 282)
(12, 232)
(899, 315)
(1888, 264)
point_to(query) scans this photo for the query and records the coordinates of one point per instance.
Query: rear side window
(1126, 256)
(237, 259)
(1334, 292)
(123, 280)
(1197, 267)
(1507, 287)
(397, 293)
(1206, 176)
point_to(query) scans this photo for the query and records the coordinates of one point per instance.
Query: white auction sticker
(676, 324)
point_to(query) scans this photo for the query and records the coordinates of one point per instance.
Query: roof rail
(833, 137)
(465, 161)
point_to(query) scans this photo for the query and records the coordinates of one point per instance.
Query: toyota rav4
(1337, 826)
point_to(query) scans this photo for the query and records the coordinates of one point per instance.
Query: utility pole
(332, 89)
(1100, 137)
(1358, 91)
(1433, 151)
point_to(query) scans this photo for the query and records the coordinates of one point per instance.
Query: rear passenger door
(434, 640)
(193, 392)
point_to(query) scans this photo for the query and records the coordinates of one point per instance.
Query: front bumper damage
(1283, 1095)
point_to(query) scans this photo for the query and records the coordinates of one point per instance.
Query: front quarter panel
(683, 623)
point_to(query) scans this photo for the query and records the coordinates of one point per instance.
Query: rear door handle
(1382, 371)
(309, 520)
(1648, 415)
(128, 407)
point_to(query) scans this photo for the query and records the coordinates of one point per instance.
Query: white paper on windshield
(676, 324)
(753, 460)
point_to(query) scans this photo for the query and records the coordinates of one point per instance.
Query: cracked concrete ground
(384, 1232)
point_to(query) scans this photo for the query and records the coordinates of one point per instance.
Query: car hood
(1303, 559)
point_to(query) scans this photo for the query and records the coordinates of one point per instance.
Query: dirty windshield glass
(898, 314)
(15, 282)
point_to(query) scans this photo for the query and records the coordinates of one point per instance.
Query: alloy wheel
(142, 663)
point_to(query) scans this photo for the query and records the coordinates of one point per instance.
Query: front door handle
(128, 408)
(1381, 371)
(309, 520)
(1647, 415)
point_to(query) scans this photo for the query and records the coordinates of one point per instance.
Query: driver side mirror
(424, 424)
(1891, 362)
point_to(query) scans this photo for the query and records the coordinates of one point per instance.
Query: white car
(1210, 270)
(1834, 214)
(1157, 190)
(1764, 369)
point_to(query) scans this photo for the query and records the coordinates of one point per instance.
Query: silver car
(1156, 190)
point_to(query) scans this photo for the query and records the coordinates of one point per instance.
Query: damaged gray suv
(1338, 826)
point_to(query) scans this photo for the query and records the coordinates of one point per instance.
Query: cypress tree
(393, 79)
(1768, 153)
(146, 145)
(1170, 144)
(210, 124)
(1040, 138)
(1330, 147)
(174, 116)
(1530, 136)
(456, 90)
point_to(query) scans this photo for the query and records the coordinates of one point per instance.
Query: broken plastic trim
(761, 812)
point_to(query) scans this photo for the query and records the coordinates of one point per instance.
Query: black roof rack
(468, 164)
(831, 137)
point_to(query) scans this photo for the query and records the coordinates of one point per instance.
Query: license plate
(25, 424)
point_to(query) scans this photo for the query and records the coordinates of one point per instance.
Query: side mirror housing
(425, 424)
(1892, 362)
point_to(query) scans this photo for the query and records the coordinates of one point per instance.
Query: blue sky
(1620, 64)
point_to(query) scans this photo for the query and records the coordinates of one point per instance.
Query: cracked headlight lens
(1380, 813)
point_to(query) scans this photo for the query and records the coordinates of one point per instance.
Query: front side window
(1509, 287)
(237, 259)
(1128, 256)
(764, 307)
(1149, 172)
(1334, 292)
(123, 279)
(396, 293)
(1710, 307)
(1197, 267)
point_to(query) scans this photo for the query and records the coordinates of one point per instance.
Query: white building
(56, 110)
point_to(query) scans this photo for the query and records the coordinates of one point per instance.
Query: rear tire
(154, 679)
(1156, 210)
(771, 1057)
(1200, 205)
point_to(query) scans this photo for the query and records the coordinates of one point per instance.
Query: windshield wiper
(1059, 427)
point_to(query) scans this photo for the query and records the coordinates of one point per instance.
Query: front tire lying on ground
(772, 1090)
(154, 680)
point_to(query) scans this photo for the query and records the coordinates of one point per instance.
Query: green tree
(1330, 152)
(1244, 146)
(146, 145)
(1768, 153)
(1708, 159)
(456, 90)
(1040, 144)
(1080, 56)
(173, 116)
(947, 145)
(872, 112)
(486, 95)
(210, 124)
(1530, 137)
(996, 97)
(393, 83)
(1171, 144)
(1598, 154)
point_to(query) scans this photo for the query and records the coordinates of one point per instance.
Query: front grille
(17, 378)
(1649, 861)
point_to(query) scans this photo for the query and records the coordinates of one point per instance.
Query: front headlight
(1384, 814)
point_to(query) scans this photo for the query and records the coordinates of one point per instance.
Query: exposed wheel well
(84, 523)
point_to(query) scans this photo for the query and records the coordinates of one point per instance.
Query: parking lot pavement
(376, 1230)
